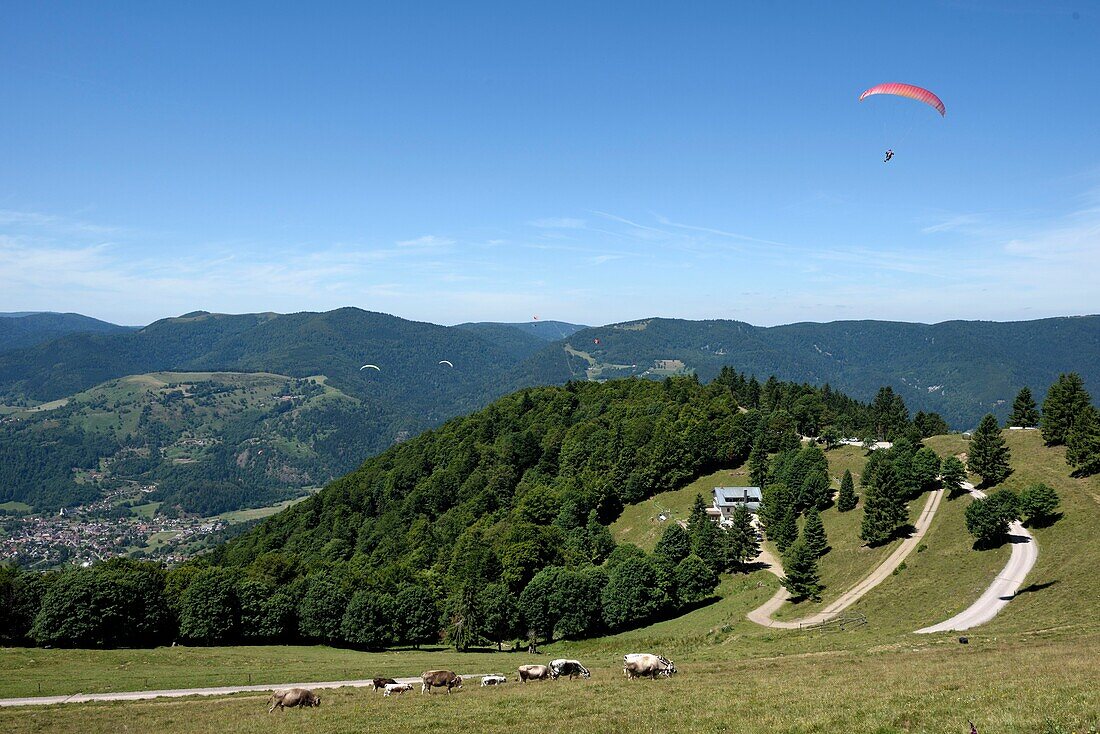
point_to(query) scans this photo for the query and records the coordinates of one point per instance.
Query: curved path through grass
(762, 615)
(218, 691)
(1025, 551)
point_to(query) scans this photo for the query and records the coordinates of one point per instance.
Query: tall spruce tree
(813, 532)
(1065, 400)
(988, 454)
(698, 516)
(1083, 443)
(674, 544)
(1025, 413)
(758, 465)
(884, 508)
(786, 532)
(847, 499)
(801, 575)
(741, 542)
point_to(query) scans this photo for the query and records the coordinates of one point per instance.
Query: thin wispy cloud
(558, 223)
(430, 240)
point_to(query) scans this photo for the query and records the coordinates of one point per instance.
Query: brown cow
(533, 672)
(380, 683)
(293, 697)
(439, 679)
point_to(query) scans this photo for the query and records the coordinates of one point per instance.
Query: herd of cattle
(635, 665)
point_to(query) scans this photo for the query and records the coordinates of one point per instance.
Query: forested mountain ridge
(547, 331)
(548, 457)
(19, 330)
(960, 369)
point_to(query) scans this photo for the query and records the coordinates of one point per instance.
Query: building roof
(736, 495)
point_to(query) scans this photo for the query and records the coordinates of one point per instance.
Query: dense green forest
(491, 527)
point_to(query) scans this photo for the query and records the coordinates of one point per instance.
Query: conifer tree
(741, 543)
(884, 509)
(1025, 412)
(1065, 400)
(801, 575)
(786, 532)
(758, 465)
(674, 544)
(1083, 443)
(698, 516)
(847, 499)
(813, 532)
(988, 454)
(707, 544)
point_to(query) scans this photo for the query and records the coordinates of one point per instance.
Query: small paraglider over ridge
(446, 362)
(372, 366)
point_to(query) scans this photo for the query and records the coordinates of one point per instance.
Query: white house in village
(728, 499)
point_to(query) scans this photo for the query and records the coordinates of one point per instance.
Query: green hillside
(204, 443)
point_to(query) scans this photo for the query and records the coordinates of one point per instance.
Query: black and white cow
(571, 668)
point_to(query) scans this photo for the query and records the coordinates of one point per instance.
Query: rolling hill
(26, 329)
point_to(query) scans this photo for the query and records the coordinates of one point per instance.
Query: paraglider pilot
(889, 155)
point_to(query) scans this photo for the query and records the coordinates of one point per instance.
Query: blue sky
(589, 162)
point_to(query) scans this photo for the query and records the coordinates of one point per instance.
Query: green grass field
(1032, 669)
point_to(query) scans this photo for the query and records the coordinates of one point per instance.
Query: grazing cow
(293, 697)
(439, 679)
(380, 683)
(644, 664)
(571, 668)
(533, 672)
(391, 688)
(492, 680)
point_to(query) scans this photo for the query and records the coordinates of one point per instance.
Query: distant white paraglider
(372, 366)
(446, 362)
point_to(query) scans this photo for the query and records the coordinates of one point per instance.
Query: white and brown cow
(533, 672)
(291, 698)
(645, 664)
(439, 679)
(571, 668)
(391, 688)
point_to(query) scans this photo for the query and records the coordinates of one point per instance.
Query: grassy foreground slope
(930, 689)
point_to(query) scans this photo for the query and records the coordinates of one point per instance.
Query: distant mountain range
(28, 328)
(960, 369)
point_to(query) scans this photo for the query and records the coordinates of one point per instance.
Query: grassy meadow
(1032, 669)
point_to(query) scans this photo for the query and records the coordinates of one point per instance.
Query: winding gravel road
(1025, 552)
(763, 614)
